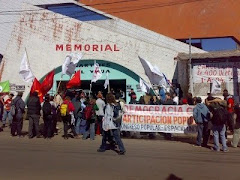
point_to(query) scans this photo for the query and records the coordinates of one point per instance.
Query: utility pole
(190, 66)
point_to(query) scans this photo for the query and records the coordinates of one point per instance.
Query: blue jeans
(200, 134)
(91, 131)
(77, 127)
(219, 130)
(117, 138)
(7, 114)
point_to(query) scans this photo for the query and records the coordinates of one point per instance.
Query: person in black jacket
(18, 117)
(34, 108)
(219, 119)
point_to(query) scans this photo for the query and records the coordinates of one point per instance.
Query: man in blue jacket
(201, 115)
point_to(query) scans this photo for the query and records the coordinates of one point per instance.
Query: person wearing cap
(18, 117)
(6, 112)
(201, 115)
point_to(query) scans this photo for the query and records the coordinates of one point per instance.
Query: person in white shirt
(175, 98)
(100, 113)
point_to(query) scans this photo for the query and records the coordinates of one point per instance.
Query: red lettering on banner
(221, 72)
(138, 108)
(157, 108)
(209, 80)
(164, 109)
(169, 111)
(145, 108)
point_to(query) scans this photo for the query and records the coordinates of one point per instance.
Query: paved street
(23, 158)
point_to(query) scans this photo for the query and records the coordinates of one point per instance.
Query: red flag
(47, 83)
(36, 87)
(75, 81)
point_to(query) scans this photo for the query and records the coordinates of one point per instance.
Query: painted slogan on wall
(222, 72)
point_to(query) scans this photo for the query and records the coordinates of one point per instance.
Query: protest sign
(158, 118)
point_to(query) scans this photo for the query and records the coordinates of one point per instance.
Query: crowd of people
(84, 115)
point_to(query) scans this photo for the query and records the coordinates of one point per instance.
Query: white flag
(152, 72)
(216, 87)
(106, 84)
(144, 86)
(70, 63)
(97, 73)
(25, 71)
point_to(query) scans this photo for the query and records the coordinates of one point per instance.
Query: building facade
(48, 34)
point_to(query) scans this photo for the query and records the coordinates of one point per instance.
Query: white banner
(222, 72)
(158, 118)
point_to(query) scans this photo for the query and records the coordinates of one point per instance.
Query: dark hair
(117, 96)
(51, 98)
(110, 98)
(47, 97)
(20, 94)
(199, 100)
(35, 93)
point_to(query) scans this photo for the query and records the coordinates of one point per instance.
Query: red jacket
(70, 105)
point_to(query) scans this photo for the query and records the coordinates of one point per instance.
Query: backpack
(47, 108)
(117, 113)
(64, 109)
(88, 112)
(220, 116)
(13, 109)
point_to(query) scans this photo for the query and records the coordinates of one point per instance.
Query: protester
(1, 107)
(201, 115)
(169, 100)
(6, 112)
(209, 98)
(48, 113)
(132, 94)
(230, 108)
(236, 128)
(133, 100)
(100, 113)
(162, 94)
(33, 111)
(54, 116)
(90, 116)
(219, 119)
(66, 111)
(190, 99)
(78, 114)
(18, 117)
(110, 127)
(175, 98)
(58, 101)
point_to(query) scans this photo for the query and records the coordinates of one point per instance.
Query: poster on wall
(158, 118)
(222, 72)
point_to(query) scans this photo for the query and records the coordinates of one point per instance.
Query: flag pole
(90, 89)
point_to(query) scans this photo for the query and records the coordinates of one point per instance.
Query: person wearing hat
(219, 119)
(6, 112)
(18, 117)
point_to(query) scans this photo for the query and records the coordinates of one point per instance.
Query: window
(75, 11)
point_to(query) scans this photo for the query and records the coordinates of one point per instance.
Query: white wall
(40, 33)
